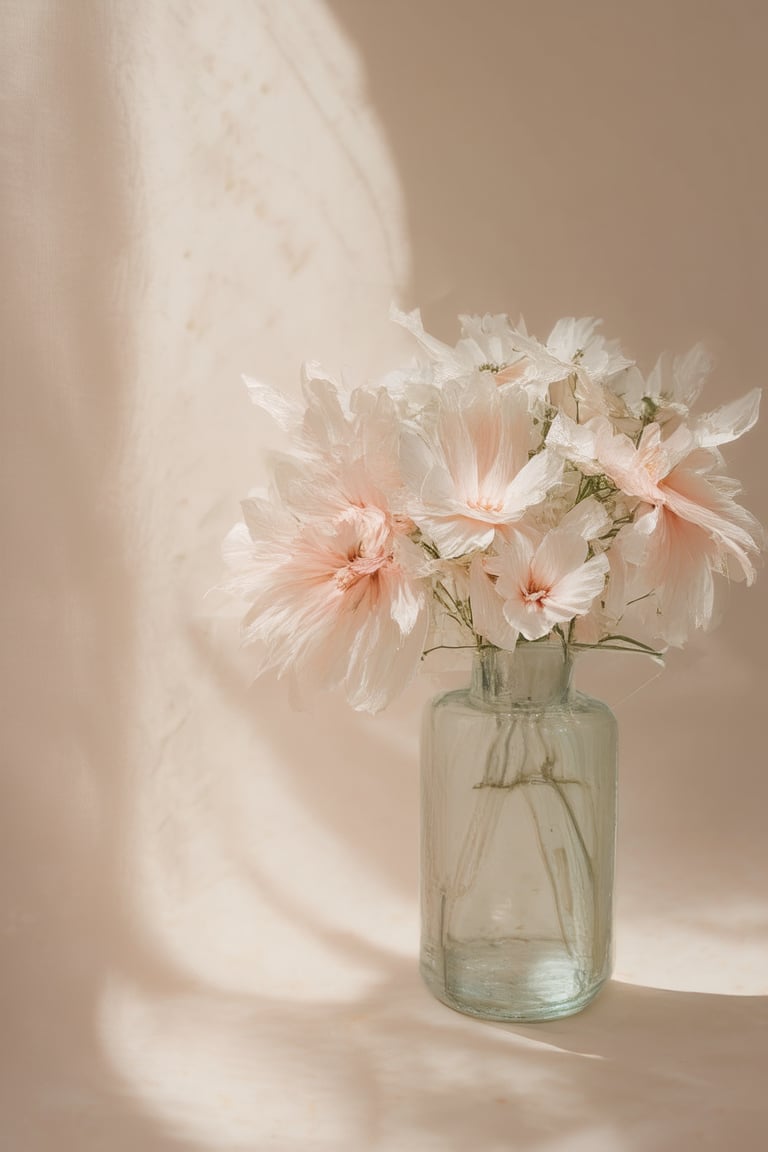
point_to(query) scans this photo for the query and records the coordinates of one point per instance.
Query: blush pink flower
(536, 587)
(471, 477)
(333, 600)
(692, 525)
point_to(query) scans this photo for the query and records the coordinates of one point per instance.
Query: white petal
(406, 602)
(237, 550)
(456, 535)
(575, 442)
(588, 518)
(533, 482)
(382, 662)
(412, 323)
(532, 620)
(570, 336)
(325, 423)
(689, 373)
(265, 519)
(728, 422)
(286, 413)
(487, 608)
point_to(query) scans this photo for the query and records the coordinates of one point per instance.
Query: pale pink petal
(589, 629)
(332, 601)
(462, 445)
(549, 586)
(533, 482)
(457, 534)
(264, 518)
(678, 565)
(530, 620)
(507, 451)
(695, 499)
(658, 455)
(560, 551)
(472, 476)
(487, 608)
(512, 566)
(619, 588)
(574, 592)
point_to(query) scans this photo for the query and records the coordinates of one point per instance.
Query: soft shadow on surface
(640, 1070)
(387, 1067)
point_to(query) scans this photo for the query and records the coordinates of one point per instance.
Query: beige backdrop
(208, 913)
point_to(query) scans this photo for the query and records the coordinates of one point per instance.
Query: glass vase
(518, 835)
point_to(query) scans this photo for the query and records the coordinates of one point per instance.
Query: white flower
(672, 387)
(577, 342)
(487, 342)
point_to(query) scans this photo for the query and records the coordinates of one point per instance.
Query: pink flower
(334, 600)
(536, 587)
(692, 524)
(471, 477)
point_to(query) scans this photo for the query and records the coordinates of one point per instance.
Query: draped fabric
(208, 912)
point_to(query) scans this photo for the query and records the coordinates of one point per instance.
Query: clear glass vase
(518, 835)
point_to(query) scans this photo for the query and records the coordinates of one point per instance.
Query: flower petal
(286, 413)
(728, 422)
(560, 552)
(574, 593)
(588, 518)
(533, 482)
(487, 608)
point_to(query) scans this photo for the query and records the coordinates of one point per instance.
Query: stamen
(484, 504)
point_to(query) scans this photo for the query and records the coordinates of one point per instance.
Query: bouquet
(500, 492)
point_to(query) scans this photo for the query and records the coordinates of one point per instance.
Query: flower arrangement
(499, 492)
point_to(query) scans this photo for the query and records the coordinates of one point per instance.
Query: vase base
(510, 980)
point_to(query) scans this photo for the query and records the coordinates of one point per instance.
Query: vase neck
(532, 676)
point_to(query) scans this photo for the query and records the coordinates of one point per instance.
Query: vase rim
(531, 675)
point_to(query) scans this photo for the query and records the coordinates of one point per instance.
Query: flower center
(485, 504)
(535, 596)
(359, 567)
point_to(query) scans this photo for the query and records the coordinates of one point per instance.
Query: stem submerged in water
(517, 759)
